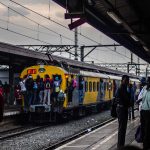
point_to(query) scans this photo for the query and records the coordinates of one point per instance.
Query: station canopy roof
(125, 21)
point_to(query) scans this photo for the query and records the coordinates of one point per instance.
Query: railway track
(75, 136)
(19, 131)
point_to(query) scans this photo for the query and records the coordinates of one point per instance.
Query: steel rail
(15, 134)
(75, 136)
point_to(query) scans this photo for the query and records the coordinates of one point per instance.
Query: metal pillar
(146, 72)
(131, 58)
(138, 60)
(128, 67)
(76, 43)
(11, 83)
(82, 53)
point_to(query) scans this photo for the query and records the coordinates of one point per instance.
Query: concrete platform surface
(103, 138)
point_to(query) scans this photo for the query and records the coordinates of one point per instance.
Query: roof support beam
(93, 48)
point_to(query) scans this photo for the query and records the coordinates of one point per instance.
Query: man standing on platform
(1, 103)
(123, 101)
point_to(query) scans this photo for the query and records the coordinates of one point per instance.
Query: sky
(20, 20)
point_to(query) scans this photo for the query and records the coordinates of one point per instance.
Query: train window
(97, 86)
(94, 86)
(90, 86)
(86, 86)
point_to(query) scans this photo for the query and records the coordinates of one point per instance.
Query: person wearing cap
(123, 104)
(145, 116)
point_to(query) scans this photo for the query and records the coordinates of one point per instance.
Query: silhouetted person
(71, 87)
(123, 100)
(131, 109)
(29, 83)
(1, 103)
(145, 116)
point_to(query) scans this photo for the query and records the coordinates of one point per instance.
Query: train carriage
(98, 90)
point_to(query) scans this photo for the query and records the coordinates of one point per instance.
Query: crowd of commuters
(47, 91)
(4, 97)
(40, 91)
(125, 98)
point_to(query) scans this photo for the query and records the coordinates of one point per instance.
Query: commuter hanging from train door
(29, 83)
(56, 87)
(23, 91)
(38, 89)
(41, 90)
(35, 92)
(48, 84)
(81, 89)
(71, 87)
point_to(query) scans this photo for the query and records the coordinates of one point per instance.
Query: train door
(73, 93)
(81, 89)
(102, 87)
(114, 88)
(110, 89)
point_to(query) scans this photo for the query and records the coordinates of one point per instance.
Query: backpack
(47, 84)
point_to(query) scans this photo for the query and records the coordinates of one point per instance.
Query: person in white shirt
(23, 92)
(145, 115)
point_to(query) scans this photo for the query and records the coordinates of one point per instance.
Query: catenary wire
(50, 29)
(63, 26)
(36, 22)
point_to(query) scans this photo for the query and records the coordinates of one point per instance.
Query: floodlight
(114, 17)
(134, 37)
(146, 49)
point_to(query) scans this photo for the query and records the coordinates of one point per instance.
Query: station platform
(104, 138)
(11, 110)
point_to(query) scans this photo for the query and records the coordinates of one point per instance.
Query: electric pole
(76, 43)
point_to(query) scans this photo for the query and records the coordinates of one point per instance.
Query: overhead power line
(44, 27)
(36, 22)
(54, 21)
(64, 26)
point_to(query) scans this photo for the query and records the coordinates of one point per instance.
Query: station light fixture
(91, 2)
(75, 6)
(146, 49)
(114, 17)
(134, 37)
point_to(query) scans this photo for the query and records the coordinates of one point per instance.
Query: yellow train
(97, 91)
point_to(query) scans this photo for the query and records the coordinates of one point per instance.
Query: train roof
(93, 74)
(90, 67)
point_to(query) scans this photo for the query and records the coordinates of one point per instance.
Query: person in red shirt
(17, 93)
(1, 104)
